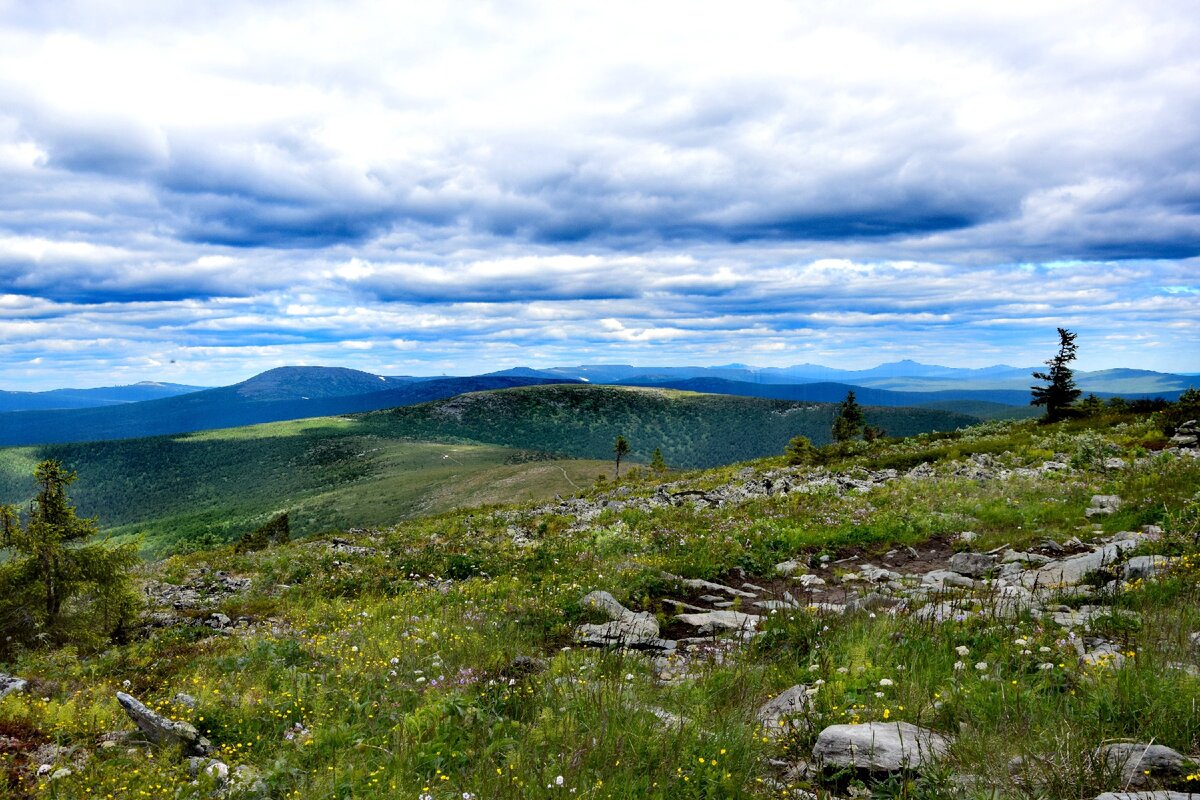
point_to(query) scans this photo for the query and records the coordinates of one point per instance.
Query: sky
(196, 192)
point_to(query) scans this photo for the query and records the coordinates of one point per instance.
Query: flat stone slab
(879, 746)
(720, 621)
(709, 586)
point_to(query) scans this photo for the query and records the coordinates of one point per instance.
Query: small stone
(718, 621)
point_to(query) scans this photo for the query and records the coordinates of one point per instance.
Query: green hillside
(185, 491)
(373, 469)
(693, 430)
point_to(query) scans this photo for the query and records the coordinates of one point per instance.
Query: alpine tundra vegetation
(1010, 610)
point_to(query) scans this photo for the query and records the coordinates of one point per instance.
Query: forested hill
(283, 394)
(692, 430)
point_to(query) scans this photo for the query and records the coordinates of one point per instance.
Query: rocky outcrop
(162, 731)
(625, 628)
(973, 565)
(879, 747)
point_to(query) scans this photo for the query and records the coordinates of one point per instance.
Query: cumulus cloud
(230, 188)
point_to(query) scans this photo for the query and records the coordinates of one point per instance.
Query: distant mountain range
(898, 376)
(90, 398)
(149, 409)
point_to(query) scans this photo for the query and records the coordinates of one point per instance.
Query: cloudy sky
(196, 192)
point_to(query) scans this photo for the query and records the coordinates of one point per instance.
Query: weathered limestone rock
(785, 712)
(697, 583)
(10, 684)
(944, 578)
(1070, 571)
(879, 746)
(1102, 505)
(1143, 765)
(973, 565)
(162, 731)
(636, 630)
(1141, 567)
(720, 621)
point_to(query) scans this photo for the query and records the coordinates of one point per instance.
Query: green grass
(386, 675)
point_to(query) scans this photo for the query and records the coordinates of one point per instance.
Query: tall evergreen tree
(850, 420)
(55, 586)
(1060, 392)
(657, 463)
(620, 448)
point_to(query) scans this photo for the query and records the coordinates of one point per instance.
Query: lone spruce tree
(850, 421)
(55, 587)
(1060, 392)
(620, 449)
(657, 463)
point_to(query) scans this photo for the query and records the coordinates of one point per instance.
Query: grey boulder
(162, 731)
(879, 746)
(1143, 765)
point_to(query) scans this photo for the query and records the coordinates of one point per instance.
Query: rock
(1028, 559)
(807, 581)
(785, 712)
(776, 605)
(719, 621)
(1187, 435)
(10, 684)
(941, 578)
(185, 700)
(879, 746)
(1106, 656)
(973, 565)
(1102, 505)
(162, 731)
(788, 568)
(875, 574)
(1143, 765)
(605, 603)
(1070, 571)
(1141, 567)
(1159, 795)
(1114, 463)
(697, 583)
(218, 621)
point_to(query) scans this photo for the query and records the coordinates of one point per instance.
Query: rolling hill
(279, 394)
(376, 468)
(692, 429)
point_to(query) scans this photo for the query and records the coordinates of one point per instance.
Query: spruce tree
(850, 420)
(657, 463)
(1060, 392)
(620, 448)
(55, 587)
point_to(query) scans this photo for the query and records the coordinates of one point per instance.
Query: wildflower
(1020, 642)
(982, 666)
(886, 682)
(962, 650)
(558, 781)
(958, 665)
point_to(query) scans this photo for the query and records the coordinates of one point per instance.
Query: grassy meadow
(397, 672)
